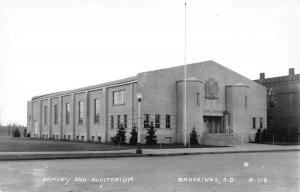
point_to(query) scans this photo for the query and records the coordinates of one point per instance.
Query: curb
(17, 157)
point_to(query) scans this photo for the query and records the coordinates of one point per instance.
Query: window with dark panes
(80, 112)
(97, 111)
(125, 121)
(45, 114)
(253, 122)
(112, 122)
(67, 113)
(157, 121)
(146, 121)
(168, 121)
(55, 114)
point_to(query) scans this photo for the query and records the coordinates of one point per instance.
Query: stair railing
(231, 130)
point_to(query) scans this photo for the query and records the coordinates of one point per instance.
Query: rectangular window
(55, 114)
(118, 97)
(261, 122)
(146, 121)
(80, 112)
(125, 121)
(157, 121)
(253, 122)
(45, 114)
(67, 113)
(97, 111)
(112, 122)
(198, 99)
(118, 121)
(168, 121)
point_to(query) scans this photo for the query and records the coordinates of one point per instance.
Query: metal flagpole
(184, 99)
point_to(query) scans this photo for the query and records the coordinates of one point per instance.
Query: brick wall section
(286, 109)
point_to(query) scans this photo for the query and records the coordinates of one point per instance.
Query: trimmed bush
(133, 138)
(193, 137)
(120, 138)
(151, 137)
(16, 133)
(25, 132)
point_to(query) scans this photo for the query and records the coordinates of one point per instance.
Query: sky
(53, 45)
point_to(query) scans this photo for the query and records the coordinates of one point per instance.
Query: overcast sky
(54, 45)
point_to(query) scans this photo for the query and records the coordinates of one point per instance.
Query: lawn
(9, 144)
(28, 144)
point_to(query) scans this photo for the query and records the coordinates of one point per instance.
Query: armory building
(223, 107)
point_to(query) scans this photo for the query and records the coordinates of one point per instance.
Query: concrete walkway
(246, 148)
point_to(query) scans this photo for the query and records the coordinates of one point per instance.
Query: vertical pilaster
(86, 114)
(73, 103)
(50, 116)
(60, 112)
(132, 104)
(104, 93)
(40, 118)
(32, 119)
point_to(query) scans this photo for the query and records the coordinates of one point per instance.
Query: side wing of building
(86, 114)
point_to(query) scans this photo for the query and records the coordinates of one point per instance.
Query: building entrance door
(213, 124)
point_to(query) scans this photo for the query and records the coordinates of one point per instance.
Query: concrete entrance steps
(221, 139)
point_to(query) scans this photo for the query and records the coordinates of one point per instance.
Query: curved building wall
(194, 107)
(237, 106)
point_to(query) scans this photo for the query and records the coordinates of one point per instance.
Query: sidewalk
(246, 148)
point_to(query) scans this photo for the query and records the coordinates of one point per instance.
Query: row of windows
(118, 99)
(261, 121)
(80, 112)
(124, 123)
(157, 121)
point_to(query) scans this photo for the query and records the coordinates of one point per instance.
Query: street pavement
(234, 172)
(246, 148)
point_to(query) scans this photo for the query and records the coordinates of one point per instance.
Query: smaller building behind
(283, 109)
